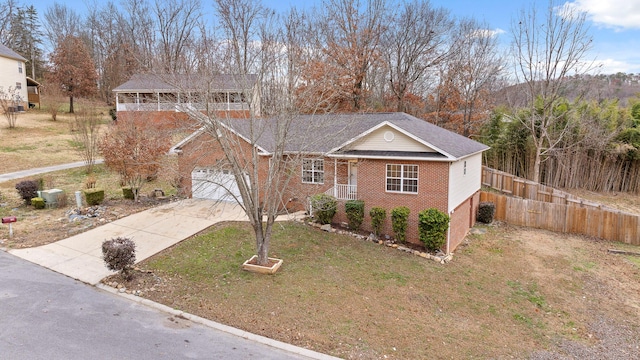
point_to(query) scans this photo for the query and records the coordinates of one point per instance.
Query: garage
(214, 184)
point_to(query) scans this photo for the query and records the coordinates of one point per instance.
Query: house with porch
(13, 76)
(384, 159)
(160, 99)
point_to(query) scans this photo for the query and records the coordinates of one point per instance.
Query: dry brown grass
(37, 141)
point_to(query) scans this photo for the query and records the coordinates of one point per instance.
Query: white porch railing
(173, 106)
(343, 192)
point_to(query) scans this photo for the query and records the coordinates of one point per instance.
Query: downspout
(449, 233)
(450, 211)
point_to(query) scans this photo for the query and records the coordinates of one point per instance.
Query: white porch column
(335, 177)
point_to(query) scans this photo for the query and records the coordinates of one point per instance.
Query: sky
(614, 24)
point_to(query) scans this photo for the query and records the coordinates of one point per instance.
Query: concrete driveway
(153, 230)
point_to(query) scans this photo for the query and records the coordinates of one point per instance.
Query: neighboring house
(385, 159)
(160, 97)
(33, 89)
(13, 75)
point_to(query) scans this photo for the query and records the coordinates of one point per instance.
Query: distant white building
(13, 74)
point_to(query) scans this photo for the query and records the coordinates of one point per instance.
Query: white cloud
(618, 14)
(487, 33)
(613, 66)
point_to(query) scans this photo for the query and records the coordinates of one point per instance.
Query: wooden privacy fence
(515, 186)
(546, 208)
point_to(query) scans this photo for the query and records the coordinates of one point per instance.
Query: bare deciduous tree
(61, 21)
(52, 99)
(546, 51)
(139, 30)
(471, 74)
(9, 101)
(177, 25)
(417, 39)
(8, 10)
(349, 33)
(240, 23)
(86, 130)
(269, 153)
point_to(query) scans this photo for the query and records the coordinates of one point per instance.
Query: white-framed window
(19, 67)
(465, 168)
(313, 171)
(18, 85)
(402, 178)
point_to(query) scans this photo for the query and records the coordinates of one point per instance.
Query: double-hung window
(313, 171)
(402, 178)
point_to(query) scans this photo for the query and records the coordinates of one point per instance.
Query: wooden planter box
(250, 265)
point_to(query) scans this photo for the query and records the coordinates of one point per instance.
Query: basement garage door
(214, 184)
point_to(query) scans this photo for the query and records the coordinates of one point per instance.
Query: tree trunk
(71, 104)
(262, 243)
(536, 166)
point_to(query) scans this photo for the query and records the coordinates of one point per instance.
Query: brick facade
(433, 182)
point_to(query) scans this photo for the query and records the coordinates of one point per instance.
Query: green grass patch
(586, 266)
(635, 260)
(530, 293)
(10, 149)
(75, 144)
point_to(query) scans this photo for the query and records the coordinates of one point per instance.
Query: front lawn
(500, 297)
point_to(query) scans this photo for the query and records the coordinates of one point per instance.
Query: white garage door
(214, 184)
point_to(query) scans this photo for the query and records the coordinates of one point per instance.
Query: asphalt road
(45, 315)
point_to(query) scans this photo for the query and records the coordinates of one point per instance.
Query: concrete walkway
(153, 230)
(43, 170)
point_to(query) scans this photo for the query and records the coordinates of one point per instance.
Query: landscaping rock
(326, 227)
(478, 231)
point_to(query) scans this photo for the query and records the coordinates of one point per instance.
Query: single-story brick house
(160, 99)
(385, 159)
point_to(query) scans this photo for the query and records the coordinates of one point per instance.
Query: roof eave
(382, 157)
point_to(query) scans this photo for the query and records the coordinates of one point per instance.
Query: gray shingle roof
(323, 133)
(8, 53)
(186, 82)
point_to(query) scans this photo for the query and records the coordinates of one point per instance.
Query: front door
(353, 177)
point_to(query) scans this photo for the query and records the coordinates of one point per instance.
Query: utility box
(51, 197)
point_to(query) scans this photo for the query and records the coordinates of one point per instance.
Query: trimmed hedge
(432, 226)
(378, 217)
(38, 202)
(355, 213)
(94, 196)
(324, 208)
(486, 212)
(399, 222)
